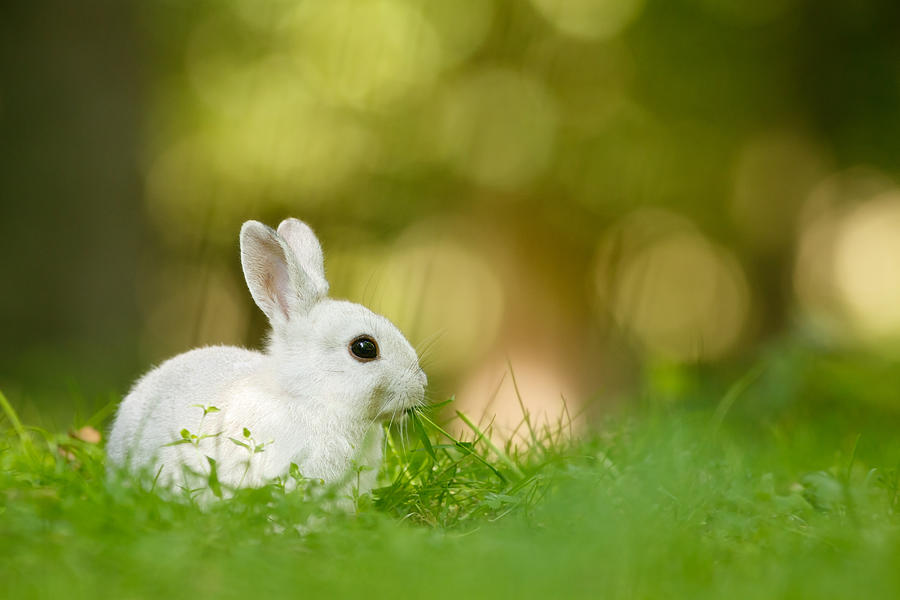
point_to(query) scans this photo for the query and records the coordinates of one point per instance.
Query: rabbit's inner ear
(274, 289)
(267, 270)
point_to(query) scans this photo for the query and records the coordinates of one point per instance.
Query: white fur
(306, 398)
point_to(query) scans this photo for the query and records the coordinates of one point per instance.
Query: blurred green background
(587, 190)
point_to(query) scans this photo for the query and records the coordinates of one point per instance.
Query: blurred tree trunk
(70, 217)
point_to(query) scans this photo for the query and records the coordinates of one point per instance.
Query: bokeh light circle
(847, 265)
(590, 19)
(462, 25)
(498, 127)
(385, 52)
(439, 292)
(867, 266)
(680, 295)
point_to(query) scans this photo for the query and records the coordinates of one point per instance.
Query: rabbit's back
(168, 399)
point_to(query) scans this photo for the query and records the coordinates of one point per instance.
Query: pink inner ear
(270, 289)
(267, 273)
(277, 285)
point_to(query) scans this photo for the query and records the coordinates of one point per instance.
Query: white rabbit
(333, 371)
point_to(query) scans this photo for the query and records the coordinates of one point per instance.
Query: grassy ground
(783, 483)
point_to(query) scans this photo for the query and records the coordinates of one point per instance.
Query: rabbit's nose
(423, 379)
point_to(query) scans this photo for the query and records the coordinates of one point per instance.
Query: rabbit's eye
(364, 348)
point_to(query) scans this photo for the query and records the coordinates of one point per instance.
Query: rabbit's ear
(308, 253)
(277, 283)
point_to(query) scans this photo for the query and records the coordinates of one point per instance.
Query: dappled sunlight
(847, 270)
(590, 19)
(284, 146)
(680, 295)
(226, 74)
(591, 89)
(463, 25)
(442, 294)
(867, 266)
(385, 51)
(460, 27)
(300, 148)
(497, 127)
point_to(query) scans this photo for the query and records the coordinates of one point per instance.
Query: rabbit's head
(325, 351)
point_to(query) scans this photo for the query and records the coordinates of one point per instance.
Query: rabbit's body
(242, 386)
(308, 400)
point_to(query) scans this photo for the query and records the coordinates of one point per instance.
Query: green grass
(785, 486)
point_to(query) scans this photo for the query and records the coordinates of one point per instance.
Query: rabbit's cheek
(396, 399)
(379, 401)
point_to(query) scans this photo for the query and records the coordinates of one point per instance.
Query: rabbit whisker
(425, 345)
(393, 414)
(403, 437)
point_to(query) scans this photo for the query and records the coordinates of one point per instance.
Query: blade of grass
(733, 393)
(497, 451)
(97, 419)
(423, 435)
(527, 417)
(437, 405)
(460, 445)
(13, 418)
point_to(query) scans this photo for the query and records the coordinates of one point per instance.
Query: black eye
(364, 348)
